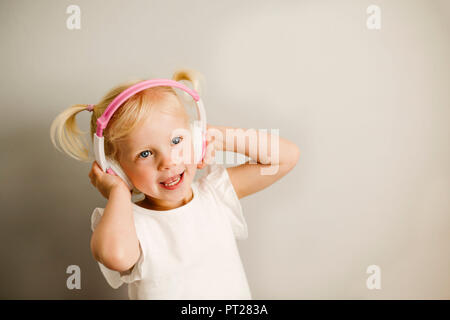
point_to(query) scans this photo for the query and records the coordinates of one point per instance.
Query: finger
(202, 165)
(96, 165)
(95, 172)
(208, 136)
(111, 172)
(97, 169)
(210, 150)
(207, 157)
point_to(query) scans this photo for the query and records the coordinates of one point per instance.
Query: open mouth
(174, 183)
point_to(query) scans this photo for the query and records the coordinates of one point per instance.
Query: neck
(162, 205)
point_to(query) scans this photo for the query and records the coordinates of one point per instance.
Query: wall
(369, 110)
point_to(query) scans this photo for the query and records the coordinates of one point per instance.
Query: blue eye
(144, 154)
(175, 139)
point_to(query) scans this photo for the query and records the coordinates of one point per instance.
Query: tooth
(173, 183)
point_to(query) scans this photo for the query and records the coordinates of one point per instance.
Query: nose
(169, 159)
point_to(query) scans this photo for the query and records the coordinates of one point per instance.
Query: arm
(114, 242)
(273, 160)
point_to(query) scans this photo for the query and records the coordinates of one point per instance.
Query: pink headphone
(198, 127)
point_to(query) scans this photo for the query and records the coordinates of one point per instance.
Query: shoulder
(214, 176)
(215, 181)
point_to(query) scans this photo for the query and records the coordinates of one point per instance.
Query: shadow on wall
(46, 221)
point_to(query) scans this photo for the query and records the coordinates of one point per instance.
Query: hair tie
(90, 107)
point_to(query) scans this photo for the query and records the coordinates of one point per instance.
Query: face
(153, 153)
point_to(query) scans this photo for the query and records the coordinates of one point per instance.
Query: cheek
(144, 173)
(138, 172)
(145, 181)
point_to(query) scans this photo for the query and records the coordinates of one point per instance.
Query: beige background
(368, 109)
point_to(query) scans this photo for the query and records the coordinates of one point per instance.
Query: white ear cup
(118, 170)
(106, 162)
(197, 141)
(99, 153)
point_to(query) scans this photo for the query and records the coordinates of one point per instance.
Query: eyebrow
(143, 148)
(146, 147)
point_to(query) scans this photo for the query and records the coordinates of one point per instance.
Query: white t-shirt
(189, 252)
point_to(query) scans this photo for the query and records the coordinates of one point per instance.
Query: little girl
(179, 241)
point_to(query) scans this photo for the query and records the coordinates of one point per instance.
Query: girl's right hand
(105, 182)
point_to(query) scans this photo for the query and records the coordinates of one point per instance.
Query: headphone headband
(103, 120)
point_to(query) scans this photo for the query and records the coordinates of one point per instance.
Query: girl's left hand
(210, 149)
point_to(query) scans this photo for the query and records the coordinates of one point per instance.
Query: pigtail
(66, 136)
(193, 76)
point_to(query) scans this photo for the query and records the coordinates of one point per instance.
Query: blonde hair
(67, 137)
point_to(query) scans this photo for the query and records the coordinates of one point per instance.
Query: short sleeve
(115, 278)
(217, 178)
